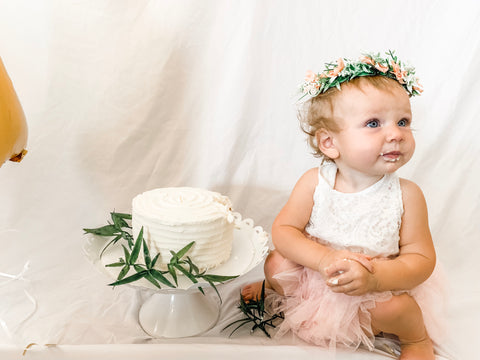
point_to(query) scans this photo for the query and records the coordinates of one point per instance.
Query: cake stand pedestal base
(178, 314)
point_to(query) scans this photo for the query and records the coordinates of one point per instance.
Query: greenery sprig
(179, 262)
(255, 313)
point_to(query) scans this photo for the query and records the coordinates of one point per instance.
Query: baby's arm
(417, 258)
(411, 267)
(288, 227)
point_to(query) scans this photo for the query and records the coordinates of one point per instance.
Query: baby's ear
(326, 144)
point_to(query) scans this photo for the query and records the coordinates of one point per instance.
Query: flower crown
(368, 65)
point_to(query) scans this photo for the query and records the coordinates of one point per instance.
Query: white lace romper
(367, 221)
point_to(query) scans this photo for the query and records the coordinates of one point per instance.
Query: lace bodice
(367, 221)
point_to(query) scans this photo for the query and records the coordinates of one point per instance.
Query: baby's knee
(276, 263)
(273, 262)
(395, 308)
(401, 316)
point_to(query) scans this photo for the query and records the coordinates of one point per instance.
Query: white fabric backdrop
(126, 96)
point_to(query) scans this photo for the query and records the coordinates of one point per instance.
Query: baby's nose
(394, 133)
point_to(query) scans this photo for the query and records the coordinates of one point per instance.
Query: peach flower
(399, 74)
(382, 68)
(395, 66)
(338, 69)
(418, 87)
(367, 60)
(311, 76)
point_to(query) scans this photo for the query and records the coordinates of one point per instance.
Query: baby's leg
(274, 263)
(402, 316)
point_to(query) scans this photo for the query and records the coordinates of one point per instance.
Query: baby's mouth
(391, 156)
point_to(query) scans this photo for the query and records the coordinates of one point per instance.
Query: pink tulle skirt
(319, 316)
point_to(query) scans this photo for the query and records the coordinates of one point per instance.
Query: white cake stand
(184, 311)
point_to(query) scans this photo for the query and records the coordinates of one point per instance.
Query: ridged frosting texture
(173, 217)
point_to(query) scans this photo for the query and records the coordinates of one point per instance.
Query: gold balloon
(13, 126)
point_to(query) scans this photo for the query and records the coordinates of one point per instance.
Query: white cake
(174, 217)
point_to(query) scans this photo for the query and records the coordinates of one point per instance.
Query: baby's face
(375, 136)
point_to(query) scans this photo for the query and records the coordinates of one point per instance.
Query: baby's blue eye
(373, 123)
(403, 123)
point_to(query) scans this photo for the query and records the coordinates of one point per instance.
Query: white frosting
(174, 217)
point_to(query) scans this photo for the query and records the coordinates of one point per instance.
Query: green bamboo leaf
(174, 259)
(158, 275)
(150, 278)
(107, 230)
(134, 277)
(129, 238)
(138, 268)
(113, 241)
(262, 300)
(249, 309)
(136, 247)
(255, 311)
(254, 327)
(235, 322)
(186, 273)
(216, 290)
(117, 238)
(127, 254)
(261, 327)
(252, 312)
(146, 254)
(217, 278)
(192, 266)
(122, 215)
(184, 250)
(202, 273)
(244, 322)
(154, 261)
(201, 290)
(173, 273)
(118, 221)
(123, 272)
(117, 264)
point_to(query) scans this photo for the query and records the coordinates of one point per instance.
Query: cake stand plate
(184, 311)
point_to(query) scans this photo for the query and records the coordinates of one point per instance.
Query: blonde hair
(318, 112)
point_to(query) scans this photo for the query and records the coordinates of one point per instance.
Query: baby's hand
(350, 277)
(337, 256)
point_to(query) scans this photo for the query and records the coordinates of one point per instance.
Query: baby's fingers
(341, 284)
(364, 260)
(345, 285)
(344, 265)
(338, 267)
(337, 281)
